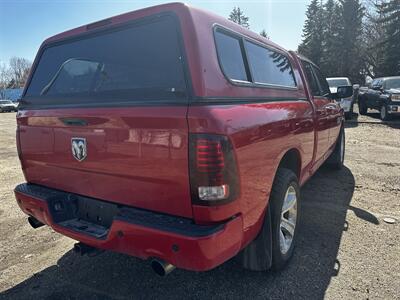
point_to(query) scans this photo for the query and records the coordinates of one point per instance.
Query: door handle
(331, 107)
(74, 121)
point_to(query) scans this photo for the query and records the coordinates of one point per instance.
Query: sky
(24, 24)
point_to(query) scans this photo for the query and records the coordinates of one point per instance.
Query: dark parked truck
(383, 94)
(175, 135)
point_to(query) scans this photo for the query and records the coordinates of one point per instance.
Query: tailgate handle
(74, 122)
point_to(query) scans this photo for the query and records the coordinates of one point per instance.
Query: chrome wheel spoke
(287, 224)
(288, 227)
(290, 201)
(282, 242)
(342, 148)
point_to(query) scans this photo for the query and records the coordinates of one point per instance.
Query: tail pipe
(161, 267)
(83, 249)
(35, 223)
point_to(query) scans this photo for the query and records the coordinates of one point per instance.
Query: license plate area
(84, 215)
(97, 212)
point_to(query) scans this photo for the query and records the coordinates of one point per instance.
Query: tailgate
(133, 156)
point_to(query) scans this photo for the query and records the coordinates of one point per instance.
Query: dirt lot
(345, 249)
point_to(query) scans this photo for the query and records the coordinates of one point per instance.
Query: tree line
(352, 38)
(15, 73)
(237, 15)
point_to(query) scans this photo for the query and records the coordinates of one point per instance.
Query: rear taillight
(213, 171)
(17, 139)
(18, 144)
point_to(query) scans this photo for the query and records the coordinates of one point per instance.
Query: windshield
(5, 102)
(337, 82)
(392, 83)
(137, 63)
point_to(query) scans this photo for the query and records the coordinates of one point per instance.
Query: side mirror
(344, 91)
(377, 87)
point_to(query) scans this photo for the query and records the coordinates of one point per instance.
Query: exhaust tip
(161, 267)
(35, 223)
(83, 249)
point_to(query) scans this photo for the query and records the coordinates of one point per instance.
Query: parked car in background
(186, 154)
(8, 105)
(383, 94)
(346, 103)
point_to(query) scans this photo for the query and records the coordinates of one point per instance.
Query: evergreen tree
(264, 33)
(311, 45)
(237, 15)
(352, 13)
(391, 47)
(331, 45)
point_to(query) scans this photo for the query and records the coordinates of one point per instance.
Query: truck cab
(383, 94)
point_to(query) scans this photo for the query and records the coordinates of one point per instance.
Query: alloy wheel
(342, 148)
(383, 112)
(288, 220)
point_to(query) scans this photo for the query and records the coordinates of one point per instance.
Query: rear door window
(312, 81)
(142, 62)
(230, 55)
(323, 84)
(269, 67)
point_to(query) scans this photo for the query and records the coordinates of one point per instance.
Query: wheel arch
(291, 160)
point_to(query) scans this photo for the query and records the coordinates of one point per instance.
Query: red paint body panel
(139, 156)
(136, 156)
(260, 142)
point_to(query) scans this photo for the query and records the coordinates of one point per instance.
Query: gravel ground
(345, 250)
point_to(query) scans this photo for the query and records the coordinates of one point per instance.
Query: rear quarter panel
(261, 134)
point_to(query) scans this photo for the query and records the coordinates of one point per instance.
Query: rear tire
(362, 107)
(285, 212)
(336, 159)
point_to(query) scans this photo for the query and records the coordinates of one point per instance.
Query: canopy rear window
(142, 62)
(337, 82)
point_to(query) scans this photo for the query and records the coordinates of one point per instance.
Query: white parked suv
(8, 105)
(346, 103)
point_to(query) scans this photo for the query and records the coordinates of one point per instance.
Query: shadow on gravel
(325, 201)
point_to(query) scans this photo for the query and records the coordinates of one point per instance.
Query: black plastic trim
(137, 216)
(242, 100)
(149, 103)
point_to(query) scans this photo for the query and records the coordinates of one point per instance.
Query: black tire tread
(282, 178)
(334, 162)
(387, 118)
(362, 107)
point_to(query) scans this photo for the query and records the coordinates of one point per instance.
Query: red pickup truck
(172, 134)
